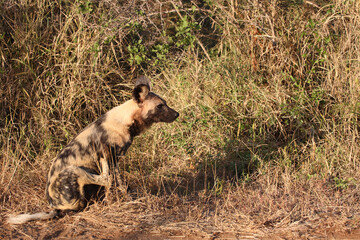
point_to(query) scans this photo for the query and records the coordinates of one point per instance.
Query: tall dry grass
(268, 93)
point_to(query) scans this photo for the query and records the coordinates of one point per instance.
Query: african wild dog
(82, 167)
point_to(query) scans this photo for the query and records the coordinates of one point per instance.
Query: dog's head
(153, 108)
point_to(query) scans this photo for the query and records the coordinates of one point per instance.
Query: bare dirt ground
(140, 220)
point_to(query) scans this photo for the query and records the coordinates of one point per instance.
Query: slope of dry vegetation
(268, 93)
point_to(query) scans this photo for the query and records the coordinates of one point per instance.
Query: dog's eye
(160, 106)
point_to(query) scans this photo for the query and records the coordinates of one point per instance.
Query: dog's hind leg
(102, 179)
(68, 192)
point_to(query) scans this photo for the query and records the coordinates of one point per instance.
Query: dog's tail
(23, 218)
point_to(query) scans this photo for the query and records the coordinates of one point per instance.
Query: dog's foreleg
(105, 176)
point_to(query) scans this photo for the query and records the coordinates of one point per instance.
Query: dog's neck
(138, 126)
(132, 121)
(123, 114)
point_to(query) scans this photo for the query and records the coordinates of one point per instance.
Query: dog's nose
(176, 115)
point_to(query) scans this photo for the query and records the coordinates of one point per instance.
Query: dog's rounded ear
(142, 88)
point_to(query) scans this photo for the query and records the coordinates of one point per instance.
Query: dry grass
(267, 143)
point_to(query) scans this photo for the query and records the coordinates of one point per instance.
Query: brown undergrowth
(267, 142)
